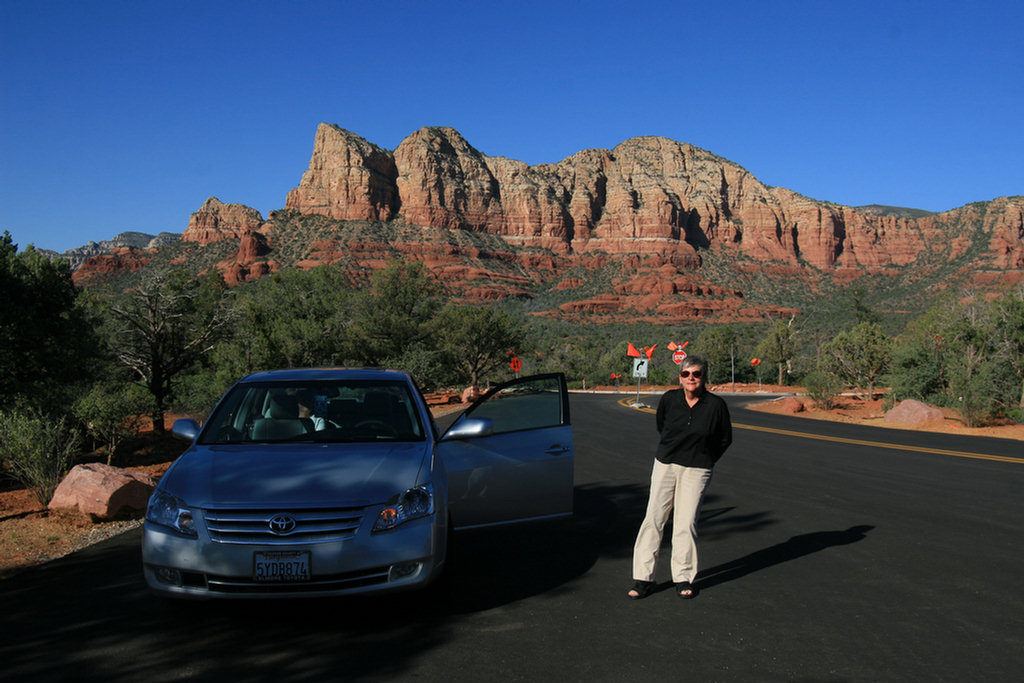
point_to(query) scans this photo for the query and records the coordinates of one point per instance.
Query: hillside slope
(653, 229)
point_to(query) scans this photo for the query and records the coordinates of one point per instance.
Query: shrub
(822, 388)
(984, 395)
(859, 356)
(917, 373)
(37, 449)
(112, 412)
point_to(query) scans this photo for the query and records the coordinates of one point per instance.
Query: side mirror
(185, 429)
(469, 428)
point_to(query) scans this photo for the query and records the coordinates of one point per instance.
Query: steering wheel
(377, 425)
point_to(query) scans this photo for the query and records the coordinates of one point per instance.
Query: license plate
(281, 566)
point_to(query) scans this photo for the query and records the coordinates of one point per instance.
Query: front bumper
(405, 558)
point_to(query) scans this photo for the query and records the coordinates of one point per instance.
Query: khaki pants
(678, 488)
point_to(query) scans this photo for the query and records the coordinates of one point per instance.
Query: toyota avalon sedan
(337, 481)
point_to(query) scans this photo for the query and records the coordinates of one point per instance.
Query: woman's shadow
(796, 547)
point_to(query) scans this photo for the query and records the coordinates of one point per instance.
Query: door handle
(556, 449)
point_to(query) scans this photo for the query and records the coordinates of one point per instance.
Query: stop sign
(678, 357)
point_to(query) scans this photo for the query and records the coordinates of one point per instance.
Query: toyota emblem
(282, 524)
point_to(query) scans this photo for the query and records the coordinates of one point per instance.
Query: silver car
(335, 481)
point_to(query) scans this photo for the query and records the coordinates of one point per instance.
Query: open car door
(509, 457)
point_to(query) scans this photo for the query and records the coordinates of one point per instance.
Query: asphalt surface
(860, 555)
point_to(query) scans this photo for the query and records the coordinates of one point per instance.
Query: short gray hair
(694, 359)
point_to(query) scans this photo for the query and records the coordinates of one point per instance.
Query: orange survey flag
(631, 351)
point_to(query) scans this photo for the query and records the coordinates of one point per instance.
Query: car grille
(273, 527)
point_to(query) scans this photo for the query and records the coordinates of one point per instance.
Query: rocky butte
(652, 205)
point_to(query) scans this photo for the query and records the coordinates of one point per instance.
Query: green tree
(971, 331)
(859, 356)
(916, 371)
(717, 343)
(112, 412)
(477, 340)
(428, 364)
(291, 319)
(395, 313)
(956, 346)
(1009, 324)
(47, 342)
(614, 360)
(862, 311)
(779, 346)
(919, 355)
(160, 329)
(567, 356)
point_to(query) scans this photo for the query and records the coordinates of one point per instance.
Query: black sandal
(642, 590)
(685, 590)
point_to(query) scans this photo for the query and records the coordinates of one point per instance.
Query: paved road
(822, 560)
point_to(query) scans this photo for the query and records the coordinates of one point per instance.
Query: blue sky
(120, 116)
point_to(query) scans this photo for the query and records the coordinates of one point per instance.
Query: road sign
(640, 367)
(515, 364)
(678, 357)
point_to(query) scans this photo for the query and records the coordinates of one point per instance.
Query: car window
(534, 404)
(323, 412)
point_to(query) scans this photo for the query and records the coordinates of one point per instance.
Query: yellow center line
(856, 442)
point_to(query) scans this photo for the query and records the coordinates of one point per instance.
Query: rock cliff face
(136, 240)
(648, 195)
(348, 179)
(216, 221)
(116, 260)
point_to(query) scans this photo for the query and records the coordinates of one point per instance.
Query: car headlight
(415, 503)
(171, 511)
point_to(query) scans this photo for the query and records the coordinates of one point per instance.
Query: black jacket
(692, 437)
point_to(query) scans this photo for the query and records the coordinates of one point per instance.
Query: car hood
(306, 475)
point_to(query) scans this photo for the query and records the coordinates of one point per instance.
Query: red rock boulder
(913, 412)
(102, 491)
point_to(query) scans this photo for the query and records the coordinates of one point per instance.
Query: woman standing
(695, 430)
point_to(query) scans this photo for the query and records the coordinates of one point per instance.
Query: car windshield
(339, 411)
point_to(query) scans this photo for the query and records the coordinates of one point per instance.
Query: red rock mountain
(651, 205)
(648, 195)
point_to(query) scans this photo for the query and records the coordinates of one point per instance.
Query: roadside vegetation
(80, 368)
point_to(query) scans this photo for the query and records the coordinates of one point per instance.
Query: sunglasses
(686, 373)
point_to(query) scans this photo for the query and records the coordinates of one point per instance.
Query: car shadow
(496, 566)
